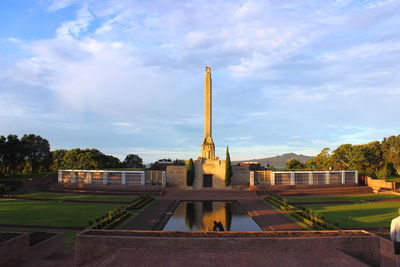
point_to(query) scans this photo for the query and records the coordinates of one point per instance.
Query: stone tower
(207, 147)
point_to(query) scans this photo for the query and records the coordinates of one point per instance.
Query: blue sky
(127, 76)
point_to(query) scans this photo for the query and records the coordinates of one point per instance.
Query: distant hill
(278, 161)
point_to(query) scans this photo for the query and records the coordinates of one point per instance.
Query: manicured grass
(61, 196)
(51, 213)
(362, 215)
(355, 198)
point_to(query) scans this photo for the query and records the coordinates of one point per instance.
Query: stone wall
(240, 175)
(376, 184)
(176, 176)
(215, 167)
(95, 245)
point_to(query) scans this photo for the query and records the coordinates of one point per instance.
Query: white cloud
(279, 69)
(75, 27)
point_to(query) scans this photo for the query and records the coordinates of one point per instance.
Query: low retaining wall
(13, 248)
(377, 185)
(387, 251)
(93, 245)
(47, 247)
(18, 247)
(43, 181)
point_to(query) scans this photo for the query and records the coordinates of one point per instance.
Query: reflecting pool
(200, 216)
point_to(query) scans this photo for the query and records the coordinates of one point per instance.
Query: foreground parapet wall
(29, 246)
(94, 245)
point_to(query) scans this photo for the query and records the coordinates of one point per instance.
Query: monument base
(209, 173)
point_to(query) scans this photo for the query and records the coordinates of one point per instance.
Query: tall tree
(133, 161)
(190, 173)
(58, 159)
(293, 164)
(228, 169)
(14, 155)
(37, 153)
(2, 153)
(343, 156)
(391, 151)
(322, 161)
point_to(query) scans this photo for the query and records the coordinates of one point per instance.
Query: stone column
(60, 176)
(251, 182)
(105, 177)
(292, 182)
(164, 180)
(123, 178)
(208, 147)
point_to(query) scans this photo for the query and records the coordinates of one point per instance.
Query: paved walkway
(228, 257)
(150, 218)
(267, 217)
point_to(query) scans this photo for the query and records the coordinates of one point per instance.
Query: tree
(294, 164)
(343, 156)
(58, 159)
(37, 153)
(14, 156)
(190, 173)
(228, 170)
(133, 161)
(391, 151)
(2, 153)
(322, 161)
(111, 162)
(83, 159)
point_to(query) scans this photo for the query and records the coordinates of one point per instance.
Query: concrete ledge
(13, 248)
(45, 248)
(387, 251)
(93, 245)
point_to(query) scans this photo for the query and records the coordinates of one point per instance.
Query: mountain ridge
(277, 161)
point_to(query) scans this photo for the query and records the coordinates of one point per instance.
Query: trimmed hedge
(113, 218)
(308, 216)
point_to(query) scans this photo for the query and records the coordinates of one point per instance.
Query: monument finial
(208, 68)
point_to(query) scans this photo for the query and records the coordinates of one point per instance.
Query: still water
(200, 216)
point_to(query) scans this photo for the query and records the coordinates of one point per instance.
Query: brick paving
(267, 217)
(227, 257)
(149, 218)
(154, 217)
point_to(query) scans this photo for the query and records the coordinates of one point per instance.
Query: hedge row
(306, 215)
(107, 219)
(139, 202)
(113, 218)
(4, 188)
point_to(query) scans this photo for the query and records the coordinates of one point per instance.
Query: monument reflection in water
(200, 216)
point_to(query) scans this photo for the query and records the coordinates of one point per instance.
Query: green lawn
(362, 215)
(51, 213)
(356, 198)
(62, 196)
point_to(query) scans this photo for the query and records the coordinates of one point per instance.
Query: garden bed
(7, 236)
(37, 237)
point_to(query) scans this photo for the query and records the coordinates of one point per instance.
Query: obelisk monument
(207, 147)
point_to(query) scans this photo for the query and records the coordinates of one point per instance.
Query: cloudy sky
(127, 76)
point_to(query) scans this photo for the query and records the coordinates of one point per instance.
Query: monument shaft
(207, 103)
(207, 147)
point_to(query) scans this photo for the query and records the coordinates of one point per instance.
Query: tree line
(377, 158)
(31, 154)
